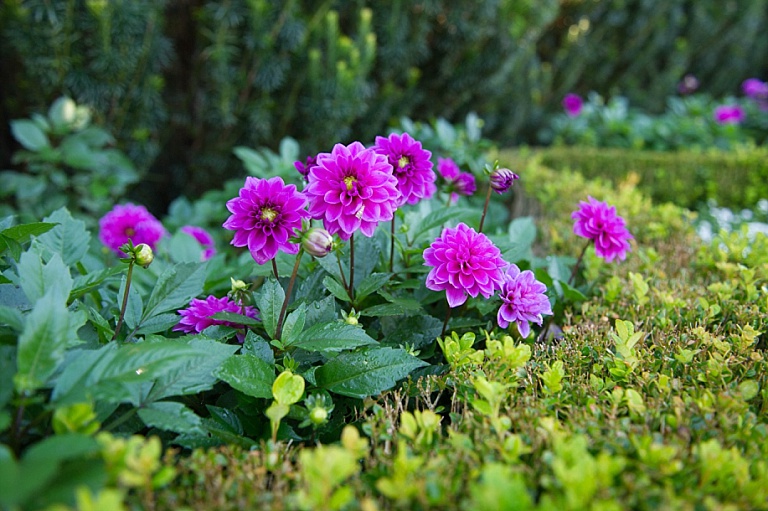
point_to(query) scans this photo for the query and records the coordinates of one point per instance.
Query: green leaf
(439, 217)
(398, 307)
(521, 235)
(11, 246)
(239, 319)
(133, 307)
(23, 233)
(37, 279)
(175, 288)
(7, 370)
(70, 238)
(371, 284)
(12, 317)
(171, 416)
(29, 135)
(336, 289)
(294, 324)
(288, 388)
(332, 337)
(84, 284)
(270, 301)
(321, 311)
(416, 331)
(42, 343)
(159, 323)
(58, 448)
(249, 374)
(366, 373)
(258, 346)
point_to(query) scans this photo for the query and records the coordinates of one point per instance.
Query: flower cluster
(729, 114)
(572, 103)
(129, 222)
(411, 165)
(523, 300)
(457, 182)
(352, 188)
(199, 315)
(599, 222)
(204, 238)
(264, 216)
(755, 88)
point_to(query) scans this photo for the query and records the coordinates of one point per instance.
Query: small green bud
(238, 286)
(144, 255)
(317, 242)
(318, 416)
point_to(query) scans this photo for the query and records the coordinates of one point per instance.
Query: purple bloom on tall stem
(203, 238)
(729, 114)
(599, 222)
(572, 103)
(411, 166)
(352, 188)
(264, 216)
(199, 315)
(464, 262)
(132, 222)
(755, 88)
(502, 180)
(448, 169)
(524, 300)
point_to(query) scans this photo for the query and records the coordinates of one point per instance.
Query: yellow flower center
(403, 161)
(130, 231)
(268, 214)
(349, 181)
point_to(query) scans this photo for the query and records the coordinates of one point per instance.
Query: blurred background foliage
(180, 83)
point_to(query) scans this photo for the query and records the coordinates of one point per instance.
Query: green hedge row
(735, 179)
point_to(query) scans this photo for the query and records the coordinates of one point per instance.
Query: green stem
(121, 420)
(392, 247)
(485, 208)
(351, 288)
(578, 262)
(125, 300)
(274, 268)
(445, 322)
(281, 317)
(341, 271)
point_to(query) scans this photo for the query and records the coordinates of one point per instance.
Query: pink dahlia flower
(572, 103)
(412, 166)
(132, 222)
(599, 222)
(523, 300)
(755, 88)
(265, 215)
(352, 188)
(464, 262)
(729, 114)
(199, 315)
(448, 169)
(204, 238)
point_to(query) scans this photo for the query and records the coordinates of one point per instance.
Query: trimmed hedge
(736, 179)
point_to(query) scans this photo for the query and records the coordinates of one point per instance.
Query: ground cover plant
(366, 328)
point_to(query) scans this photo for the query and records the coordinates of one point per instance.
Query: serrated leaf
(322, 311)
(294, 324)
(332, 337)
(70, 238)
(398, 307)
(84, 284)
(416, 331)
(159, 323)
(249, 374)
(29, 135)
(336, 289)
(258, 346)
(37, 279)
(175, 288)
(21, 234)
(371, 284)
(171, 416)
(366, 373)
(270, 302)
(226, 419)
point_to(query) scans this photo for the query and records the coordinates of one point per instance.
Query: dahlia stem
(352, 267)
(281, 317)
(445, 322)
(392, 247)
(341, 271)
(578, 262)
(485, 207)
(125, 299)
(274, 268)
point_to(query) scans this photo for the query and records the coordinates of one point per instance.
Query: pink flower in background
(352, 188)
(572, 103)
(688, 85)
(448, 169)
(464, 262)
(599, 222)
(199, 315)
(265, 215)
(502, 180)
(204, 238)
(132, 222)
(411, 165)
(524, 300)
(464, 184)
(729, 114)
(305, 166)
(755, 88)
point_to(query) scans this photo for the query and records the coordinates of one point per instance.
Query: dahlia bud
(144, 255)
(317, 242)
(318, 416)
(502, 179)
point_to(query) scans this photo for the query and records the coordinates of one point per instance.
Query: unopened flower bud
(318, 415)
(317, 242)
(144, 255)
(238, 285)
(502, 179)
